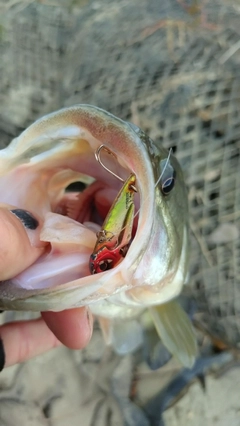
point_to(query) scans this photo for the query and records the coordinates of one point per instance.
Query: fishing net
(171, 67)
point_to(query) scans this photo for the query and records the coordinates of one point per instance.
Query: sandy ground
(219, 405)
(92, 387)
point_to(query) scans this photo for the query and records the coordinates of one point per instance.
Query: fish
(38, 166)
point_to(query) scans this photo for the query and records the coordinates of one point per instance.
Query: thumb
(20, 244)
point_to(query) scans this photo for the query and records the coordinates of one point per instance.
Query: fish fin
(125, 337)
(176, 331)
(105, 326)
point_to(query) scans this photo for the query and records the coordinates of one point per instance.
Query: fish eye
(168, 185)
(168, 177)
(105, 265)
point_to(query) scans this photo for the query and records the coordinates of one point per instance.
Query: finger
(20, 245)
(72, 327)
(23, 340)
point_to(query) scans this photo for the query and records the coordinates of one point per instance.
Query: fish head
(38, 166)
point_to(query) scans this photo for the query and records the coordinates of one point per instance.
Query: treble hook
(98, 158)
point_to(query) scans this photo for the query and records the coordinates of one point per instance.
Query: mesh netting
(173, 69)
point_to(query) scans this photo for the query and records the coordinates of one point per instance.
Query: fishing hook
(98, 158)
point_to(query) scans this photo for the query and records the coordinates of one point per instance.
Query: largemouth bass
(36, 168)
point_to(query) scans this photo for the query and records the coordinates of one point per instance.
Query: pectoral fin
(176, 331)
(124, 336)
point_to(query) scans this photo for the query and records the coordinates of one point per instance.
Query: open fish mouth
(38, 167)
(70, 221)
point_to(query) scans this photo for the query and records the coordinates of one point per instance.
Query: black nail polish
(2, 355)
(28, 220)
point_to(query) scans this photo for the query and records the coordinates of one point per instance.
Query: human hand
(22, 340)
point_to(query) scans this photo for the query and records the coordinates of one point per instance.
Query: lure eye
(168, 177)
(105, 265)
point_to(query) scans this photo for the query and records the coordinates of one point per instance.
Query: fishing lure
(114, 239)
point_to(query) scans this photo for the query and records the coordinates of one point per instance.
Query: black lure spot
(91, 267)
(28, 220)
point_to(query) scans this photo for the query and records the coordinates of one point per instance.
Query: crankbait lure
(114, 239)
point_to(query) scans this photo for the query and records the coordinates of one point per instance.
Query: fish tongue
(58, 229)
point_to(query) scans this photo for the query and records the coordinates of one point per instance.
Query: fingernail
(28, 220)
(2, 355)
